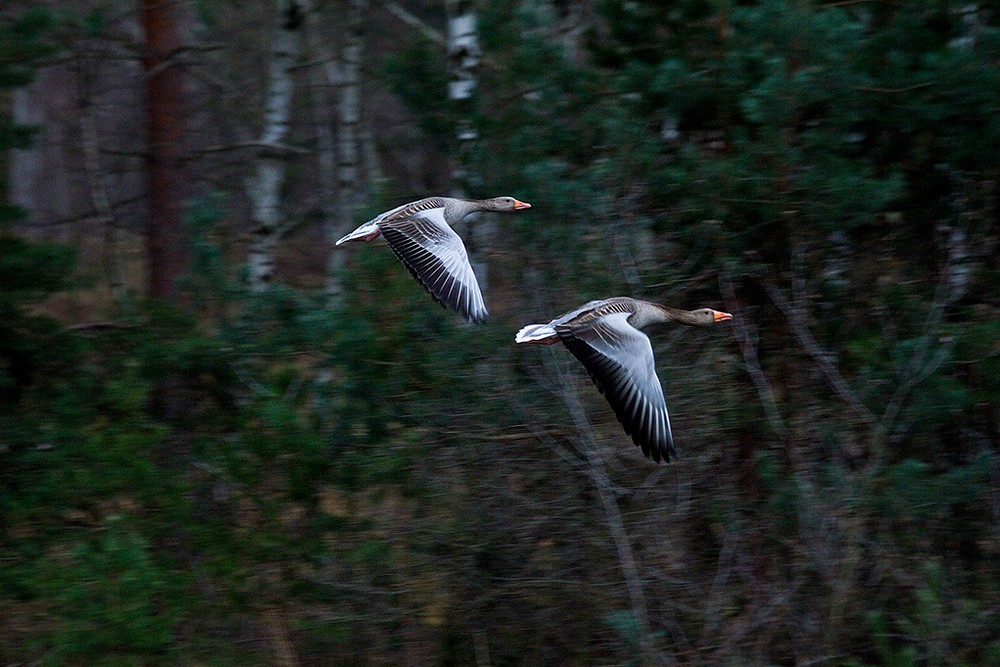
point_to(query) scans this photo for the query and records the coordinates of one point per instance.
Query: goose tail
(539, 334)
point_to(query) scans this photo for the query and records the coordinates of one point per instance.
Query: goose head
(504, 204)
(706, 316)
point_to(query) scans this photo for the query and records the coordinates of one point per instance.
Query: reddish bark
(165, 96)
(167, 246)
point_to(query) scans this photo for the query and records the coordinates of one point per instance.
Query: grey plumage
(420, 235)
(604, 336)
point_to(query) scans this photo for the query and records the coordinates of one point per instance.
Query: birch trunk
(464, 56)
(265, 188)
(338, 157)
(969, 26)
(463, 62)
(321, 79)
(349, 120)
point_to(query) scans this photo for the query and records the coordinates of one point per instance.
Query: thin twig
(723, 569)
(273, 148)
(846, 3)
(96, 326)
(895, 91)
(414, 22)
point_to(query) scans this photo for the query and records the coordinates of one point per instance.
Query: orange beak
(520, 204)
(722, 317)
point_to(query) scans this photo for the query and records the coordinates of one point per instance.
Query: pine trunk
(165, 94)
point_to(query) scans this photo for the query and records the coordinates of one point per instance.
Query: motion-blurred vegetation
(370, 481)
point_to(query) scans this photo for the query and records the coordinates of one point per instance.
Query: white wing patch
(437, 258)
(620, 361)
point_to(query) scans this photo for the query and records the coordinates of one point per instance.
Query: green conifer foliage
(29, 271)
(837, 162)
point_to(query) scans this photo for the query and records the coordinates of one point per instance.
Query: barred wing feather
(436, 257)
(619, 359)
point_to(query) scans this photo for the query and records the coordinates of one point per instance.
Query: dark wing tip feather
(395, 238)
(635, 421)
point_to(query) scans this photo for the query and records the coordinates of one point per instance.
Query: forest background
(225, 442)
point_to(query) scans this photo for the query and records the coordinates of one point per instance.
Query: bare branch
(267, 149)
(598, 474)
(98, 326)
(819, 355)
(952, 284)
(892, 91)
(750, 358)
(412, 21)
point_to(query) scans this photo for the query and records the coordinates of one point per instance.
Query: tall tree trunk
(168, 251)
(165, 99)
(97, 179)
(350, 114)
(464, 56)
(463, 62)
(326, 164)
(265, 190)
(572, 19)
(348, 80)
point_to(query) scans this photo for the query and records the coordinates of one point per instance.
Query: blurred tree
(339, 161)
(29, 271)
(165, 97)
(463, 57)
(266, 189)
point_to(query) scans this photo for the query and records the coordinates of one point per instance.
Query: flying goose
(420, 234)
(605, 336)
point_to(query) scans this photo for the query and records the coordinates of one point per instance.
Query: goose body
(420, 235)
(605, 336)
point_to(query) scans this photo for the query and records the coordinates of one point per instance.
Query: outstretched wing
(619, 359)
(436, 257)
